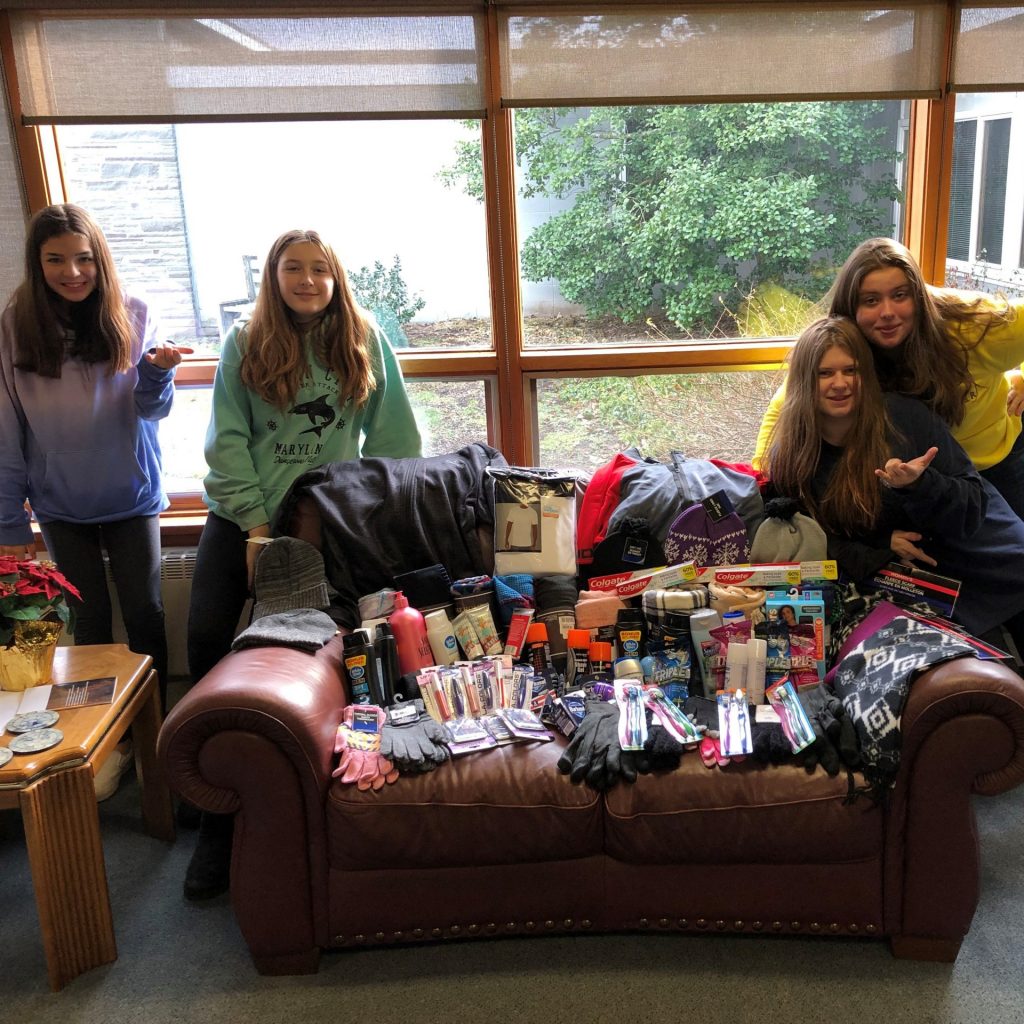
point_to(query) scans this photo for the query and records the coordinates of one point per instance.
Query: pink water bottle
(410, 636)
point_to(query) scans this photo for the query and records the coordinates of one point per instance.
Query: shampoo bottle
(705, 645)
(360, 661)
(410, 635)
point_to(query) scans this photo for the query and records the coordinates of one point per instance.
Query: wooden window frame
(508, 369)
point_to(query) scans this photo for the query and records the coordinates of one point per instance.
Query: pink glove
(361, 761)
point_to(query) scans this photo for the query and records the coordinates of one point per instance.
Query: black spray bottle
(386, 650)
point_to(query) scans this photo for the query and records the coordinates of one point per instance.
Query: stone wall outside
(134, 193)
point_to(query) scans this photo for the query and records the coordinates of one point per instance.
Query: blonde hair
(274, 362)
(851, 501)
(101, 324)
(932, 363)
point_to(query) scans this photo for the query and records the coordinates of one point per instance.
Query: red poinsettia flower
(62, 581)
(28, 587)
(31, 589)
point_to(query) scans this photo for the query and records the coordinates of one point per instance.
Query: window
(986, 204)
(580, 197)
(190, 220)
(993, 189)
(961, 192)
(680, 223)
(192, 209)
(584, 421)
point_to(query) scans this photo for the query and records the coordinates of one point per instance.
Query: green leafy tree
(688, 209)
(383, 291)
(385, 288)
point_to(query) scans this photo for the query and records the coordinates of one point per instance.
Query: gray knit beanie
(303, 628)
(787, 535)
(289, 575)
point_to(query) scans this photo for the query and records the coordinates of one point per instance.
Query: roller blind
(12, 205)
(961, 190)
(989, 53)
(130, 69)
(722, 52)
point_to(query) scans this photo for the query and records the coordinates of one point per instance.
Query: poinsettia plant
(31, 589)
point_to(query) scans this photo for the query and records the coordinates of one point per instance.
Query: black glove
(839, 728)
(415, 744)
(662, 752)
(702, 711)
(593, 754)
(822, 751)
(770, 745)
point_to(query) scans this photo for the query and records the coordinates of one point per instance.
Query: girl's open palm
(904, 474)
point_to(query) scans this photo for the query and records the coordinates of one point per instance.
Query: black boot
(188, 816)
(209, 871)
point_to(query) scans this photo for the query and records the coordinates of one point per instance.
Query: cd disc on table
(33, 742)
(29, 721)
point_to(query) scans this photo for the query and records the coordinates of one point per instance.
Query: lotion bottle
(441, 638)
(410, 635)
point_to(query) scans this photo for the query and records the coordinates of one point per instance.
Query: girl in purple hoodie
(83, 381)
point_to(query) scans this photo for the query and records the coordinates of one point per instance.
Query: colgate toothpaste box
(630, 584)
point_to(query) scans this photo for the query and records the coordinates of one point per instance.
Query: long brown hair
(851, 502)
(274, 359)
(932, 363)
(101, 324)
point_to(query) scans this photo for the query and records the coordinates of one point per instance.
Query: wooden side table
(55, 792)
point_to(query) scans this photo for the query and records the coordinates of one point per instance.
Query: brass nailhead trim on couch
(568, 923)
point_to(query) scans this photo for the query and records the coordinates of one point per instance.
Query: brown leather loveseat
(499, 843)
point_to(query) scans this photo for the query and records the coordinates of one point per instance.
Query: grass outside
(584, 422)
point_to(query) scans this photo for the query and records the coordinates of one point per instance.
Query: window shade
(12, 205)
(727, 52)
(989, 51)
(130, 69)
(994, 165)
(961, 190)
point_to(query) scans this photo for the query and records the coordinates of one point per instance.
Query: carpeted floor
(180, 962)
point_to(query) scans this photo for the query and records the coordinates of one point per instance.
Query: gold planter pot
(28, 661)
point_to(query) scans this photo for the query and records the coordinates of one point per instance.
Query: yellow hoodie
(988, 431)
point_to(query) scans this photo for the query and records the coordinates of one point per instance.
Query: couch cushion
(741, 814)
(500, 806)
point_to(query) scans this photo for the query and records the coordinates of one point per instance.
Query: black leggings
(220, 587)
(133, 547)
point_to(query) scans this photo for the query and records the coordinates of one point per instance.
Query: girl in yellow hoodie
(959, 352)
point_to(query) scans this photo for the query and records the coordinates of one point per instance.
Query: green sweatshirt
(255, 450)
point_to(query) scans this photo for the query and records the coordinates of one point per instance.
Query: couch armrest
(289, 697)
(255, 738)
(963, 733)
(968, 687)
